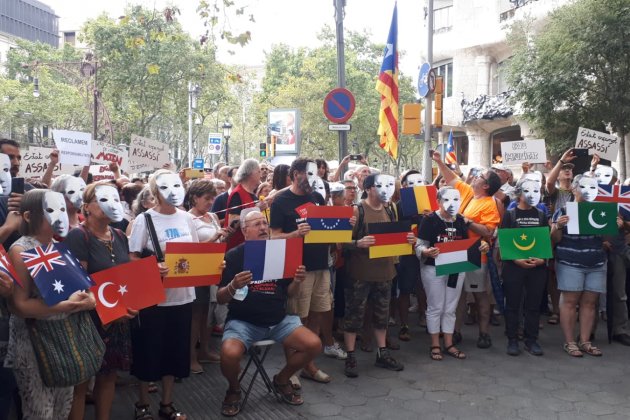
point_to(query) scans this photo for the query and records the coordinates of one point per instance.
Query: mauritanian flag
(273, 259)
(415, 200)
(458, 257)
(329, 224)
(391, 239)
(592, 218)
(524, 243)
(193, 263)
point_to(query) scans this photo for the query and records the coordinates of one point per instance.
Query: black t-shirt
(410, 261)
(524, 218)
(236, 201)
(266, 302)
(86, 247)
(285, 214)
(220, 204)
(434, 230)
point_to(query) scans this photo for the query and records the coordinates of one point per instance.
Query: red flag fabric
(7, 266)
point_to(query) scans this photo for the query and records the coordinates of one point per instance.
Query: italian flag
(458, 257)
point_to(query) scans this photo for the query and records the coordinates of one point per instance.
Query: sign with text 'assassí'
(604, 145)
(35, 161)
(75, 147)
(146, 154)
(105, 153)
(518, 152)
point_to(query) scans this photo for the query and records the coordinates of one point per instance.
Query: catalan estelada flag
(329, 224)
(450, 157)
(387, 86)
(391, 239)
(458, 256)
(415, 200)
(273, 259)
(193, 263)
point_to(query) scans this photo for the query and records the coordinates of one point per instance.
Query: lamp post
(194, 90)
(227, 130)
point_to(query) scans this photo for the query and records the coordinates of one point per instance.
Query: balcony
(487, 107)
(516, 4)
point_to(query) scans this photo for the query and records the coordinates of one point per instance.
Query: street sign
(426, 80)
(214, 143)
(339, 127)
(198, 163)
(339, 105)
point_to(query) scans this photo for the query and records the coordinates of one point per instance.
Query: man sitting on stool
(260, 315)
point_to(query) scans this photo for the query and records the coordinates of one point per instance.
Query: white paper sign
(518, 152)
(104, 153)
(605, 145)
(101, 172)
(146, 154)
(75, 147)
(35, 161)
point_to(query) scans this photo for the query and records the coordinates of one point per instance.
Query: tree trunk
(623, 164)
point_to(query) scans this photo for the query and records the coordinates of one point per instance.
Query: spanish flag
(193, 263)
(391, 239)
(415, 200)
(329, 224)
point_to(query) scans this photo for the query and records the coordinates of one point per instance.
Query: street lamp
(194, 90)
(227, 130)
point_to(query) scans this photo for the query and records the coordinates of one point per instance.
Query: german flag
(391, 239)
(329, 224)
(193, 264)
(415, 200)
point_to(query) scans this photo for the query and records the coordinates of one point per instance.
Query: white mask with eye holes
(320, 188)
(531, 192)
(311, 174)
(533, 176)
(588, 188)
(171, 189)
(109, 201)
(5, 174)
(451, 201)
(55, 212)
(73, 190)
(414, 180)
(385, 186)
(604, 174)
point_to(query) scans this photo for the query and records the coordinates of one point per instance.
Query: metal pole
(341, 69)
(227, 153)
(95, 116)
(427, 172)
(190, 124)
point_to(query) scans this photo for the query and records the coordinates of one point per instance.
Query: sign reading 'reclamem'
(604, 145)
(75, 147)
(518, 152)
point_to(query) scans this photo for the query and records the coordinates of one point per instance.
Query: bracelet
(233, 288)
(563, 162)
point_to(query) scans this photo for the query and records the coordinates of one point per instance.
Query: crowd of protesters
(337, 299)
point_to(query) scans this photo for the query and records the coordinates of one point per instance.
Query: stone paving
(487, 385)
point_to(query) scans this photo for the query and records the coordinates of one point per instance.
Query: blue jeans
(248, 333)
(580, 279)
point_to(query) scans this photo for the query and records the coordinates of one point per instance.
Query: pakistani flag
(458, 257)
(592, 218)
(524, 243)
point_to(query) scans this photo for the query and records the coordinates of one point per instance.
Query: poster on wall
(284, 125)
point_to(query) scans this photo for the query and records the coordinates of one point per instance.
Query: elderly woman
(443, 292)
(72, 188)
(581, 272)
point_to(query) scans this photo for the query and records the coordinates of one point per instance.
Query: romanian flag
(329, 224)
(193, 263)
(273, 259)
(458, 256)
(391, 239)
(524, 243)
(415, 200)
(387, 86)
(450, 157)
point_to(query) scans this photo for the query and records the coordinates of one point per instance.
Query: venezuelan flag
(193, 263)
(415, 200)
(391, 239)
(329, 224)
(387, 86)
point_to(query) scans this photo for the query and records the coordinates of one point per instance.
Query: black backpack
(361, 231)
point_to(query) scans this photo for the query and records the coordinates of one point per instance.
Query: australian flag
(56, 272)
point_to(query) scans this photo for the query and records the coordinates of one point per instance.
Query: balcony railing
(442, 19)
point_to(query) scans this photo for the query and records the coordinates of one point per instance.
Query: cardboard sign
(104, 153)
(75, 147)
(517, 152)
(35, 161)
(101, 172)
(604, 145)
(194, 173)
(146, 154)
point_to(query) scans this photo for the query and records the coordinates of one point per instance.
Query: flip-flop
(319, 376)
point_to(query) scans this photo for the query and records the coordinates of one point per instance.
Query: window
(502, 73)
(442, 21)
(69, 38)
(446, 71)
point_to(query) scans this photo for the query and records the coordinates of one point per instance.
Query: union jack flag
(615, 194)
(38, 259)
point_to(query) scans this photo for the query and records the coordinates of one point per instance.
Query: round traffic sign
(423, 85)
(339, 105)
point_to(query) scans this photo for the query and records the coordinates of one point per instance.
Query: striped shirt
(584, 251)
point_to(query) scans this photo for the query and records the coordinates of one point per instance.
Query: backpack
(361, 231)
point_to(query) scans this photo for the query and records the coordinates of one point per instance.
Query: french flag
(273, 259)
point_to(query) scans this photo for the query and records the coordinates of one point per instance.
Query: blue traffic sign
(198, 163)
(423, 80)
(339, 105)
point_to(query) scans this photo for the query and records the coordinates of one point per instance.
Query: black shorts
(408, 274)
(202, 294)
(160, 339)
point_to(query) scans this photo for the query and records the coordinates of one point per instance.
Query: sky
(292, 22)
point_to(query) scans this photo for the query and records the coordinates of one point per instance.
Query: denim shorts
(248, 333)
(579, 279)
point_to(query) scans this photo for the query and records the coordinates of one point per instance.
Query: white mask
(588, 188)
(5, 174)
(531, 192)
(385, 186)
(311, 174)
(603, 173)
(171, 189)
(109, 201)
(320, 188)
(55, 212)
(73, 190)
(533, 176)
(414, 180)
(451, 201)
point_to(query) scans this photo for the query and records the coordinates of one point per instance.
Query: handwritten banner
(75, 147)
(518, 152)
(35, 161)
(604, 145)
(146, 154)
(101, 172)
(105, 153)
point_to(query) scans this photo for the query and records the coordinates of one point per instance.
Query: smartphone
(17, 185)
(431, 151)
(356, 157)
(194, 173)
(580, 152)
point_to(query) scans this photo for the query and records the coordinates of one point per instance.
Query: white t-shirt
(176, 227)
(206, 230)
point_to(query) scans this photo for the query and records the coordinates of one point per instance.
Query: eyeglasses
(482, 177)
(351, 188)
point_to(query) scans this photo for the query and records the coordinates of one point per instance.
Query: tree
(575, 72)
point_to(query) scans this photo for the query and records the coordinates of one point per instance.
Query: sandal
(436, 355)
(458, 354)
(286, 393)
(153, 388)
(553, 319)
(572, 349)
(142, 412)
(169, 412)
(588, 348)
(231, 408)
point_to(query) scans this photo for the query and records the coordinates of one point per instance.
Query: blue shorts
(248, 333)
(579, 279)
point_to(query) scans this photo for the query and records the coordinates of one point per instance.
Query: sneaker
(392, 322)
(386, 361)
(484, 341)
(404, 335)
(512, 347)
(335, 351)
(413, 308)
(351, 370)
(534, 348)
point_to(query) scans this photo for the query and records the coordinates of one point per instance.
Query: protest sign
(146, 154)
(104, 153)
(35, 161)
(518, 152)
(75, 147)
(101, 172)
(604, 145)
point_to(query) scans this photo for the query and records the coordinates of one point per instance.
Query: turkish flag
(135, 285)
(7, 266)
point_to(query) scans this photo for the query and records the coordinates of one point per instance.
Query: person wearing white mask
(72, 188)
(5, 174)
(55, 213)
